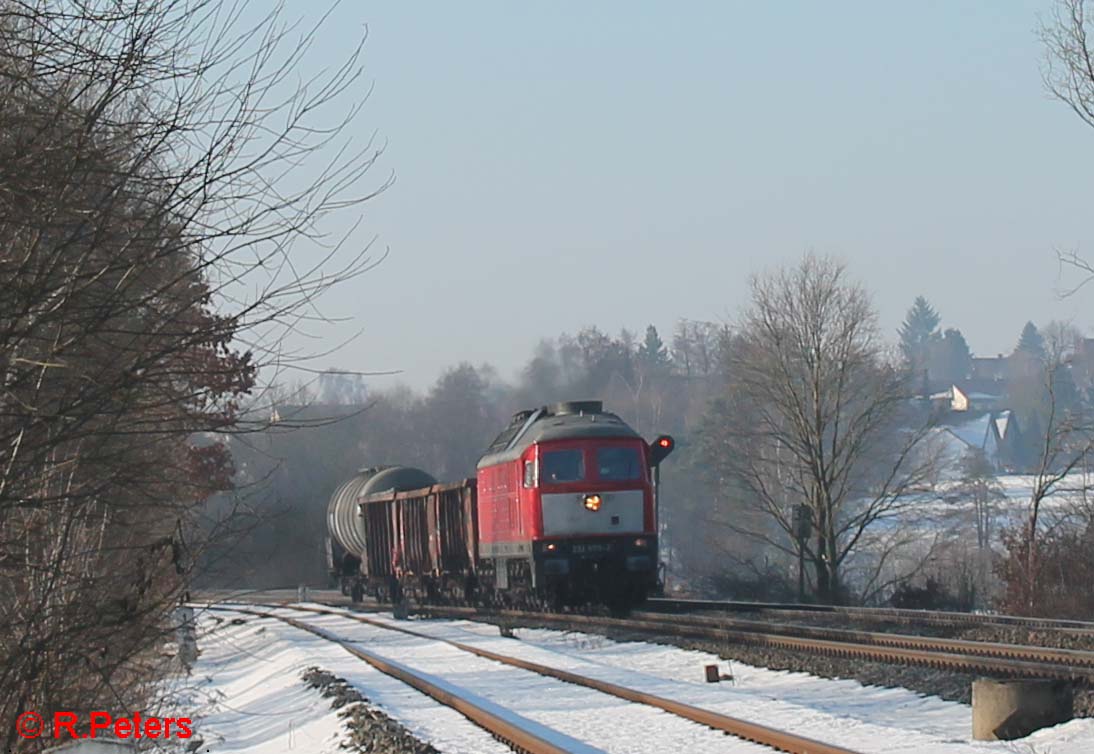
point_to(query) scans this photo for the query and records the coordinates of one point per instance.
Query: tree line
(157, 235)
(331, 426)
(800, 413)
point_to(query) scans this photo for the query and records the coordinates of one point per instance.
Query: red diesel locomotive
(562, 512)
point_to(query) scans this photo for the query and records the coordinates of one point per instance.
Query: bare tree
(983, 491)
(1062, 452)
(164, 181)
(814, 415)
(695, 347)
(1068, 74)
(1068, 70)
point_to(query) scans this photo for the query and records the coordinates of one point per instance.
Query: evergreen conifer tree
(1031, 343)
(919, 330)
(652, 353)
(949, 358)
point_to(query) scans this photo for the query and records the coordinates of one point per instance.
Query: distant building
(966, 399)
(995, 370)
(995, 433)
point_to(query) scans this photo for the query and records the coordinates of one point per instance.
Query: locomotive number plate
(588, 549)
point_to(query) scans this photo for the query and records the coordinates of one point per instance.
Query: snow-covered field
(1068, 496)
(247, 693)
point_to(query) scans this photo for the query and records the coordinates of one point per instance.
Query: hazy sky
(626, 163)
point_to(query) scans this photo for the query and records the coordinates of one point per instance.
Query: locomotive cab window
(529, 474)
(563, 466)
(618, 464)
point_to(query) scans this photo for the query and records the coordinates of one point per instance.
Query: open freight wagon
(421, 539)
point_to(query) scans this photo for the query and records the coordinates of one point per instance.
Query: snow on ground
(246, 694)
(247, 697)
(600, 721)
(1068, 495)
(844, 712)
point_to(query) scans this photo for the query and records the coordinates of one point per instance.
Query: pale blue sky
(620, 163)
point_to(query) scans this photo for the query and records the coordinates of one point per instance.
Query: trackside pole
(657, 527)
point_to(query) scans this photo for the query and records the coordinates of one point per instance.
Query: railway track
(1026, 653)
(985, 658)
(888, 614)
(960, 655)
(519, 733)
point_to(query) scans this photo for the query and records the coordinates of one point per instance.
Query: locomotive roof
(560, 422)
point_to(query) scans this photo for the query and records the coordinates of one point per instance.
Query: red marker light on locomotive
(592, 502)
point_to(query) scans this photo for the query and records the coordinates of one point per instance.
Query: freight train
(562, 512)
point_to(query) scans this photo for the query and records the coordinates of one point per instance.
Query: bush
(770, 587)
(933, 595)
(1061, 584)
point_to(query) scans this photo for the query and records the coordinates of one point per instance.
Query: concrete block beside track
(1003, 710)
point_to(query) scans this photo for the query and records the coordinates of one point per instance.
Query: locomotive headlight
(641, 542)
(592, 502)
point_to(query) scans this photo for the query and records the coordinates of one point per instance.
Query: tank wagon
(347, 535)
(562, 512)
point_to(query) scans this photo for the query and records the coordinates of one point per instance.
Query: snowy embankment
(247, 691)
(247, 694)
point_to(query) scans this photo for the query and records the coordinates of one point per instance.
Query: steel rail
(963, 661)
(1031, 653)
(755, 732)
(516, 736)
(933, 617)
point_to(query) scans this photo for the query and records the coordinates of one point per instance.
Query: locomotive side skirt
(505, 549)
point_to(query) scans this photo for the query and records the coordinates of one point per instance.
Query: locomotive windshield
(618, 464)
(563, 466)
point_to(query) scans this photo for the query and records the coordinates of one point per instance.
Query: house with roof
(995, 433)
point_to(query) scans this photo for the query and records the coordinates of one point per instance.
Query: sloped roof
(969, 391)
(974, 432)
(950, 447)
